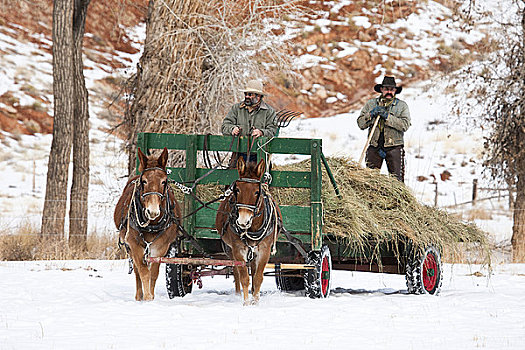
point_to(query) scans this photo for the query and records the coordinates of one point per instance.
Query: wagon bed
(292, 265)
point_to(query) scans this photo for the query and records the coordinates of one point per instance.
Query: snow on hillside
(435, 143)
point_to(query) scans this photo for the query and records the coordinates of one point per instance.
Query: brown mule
(249, 221)
(147, 217)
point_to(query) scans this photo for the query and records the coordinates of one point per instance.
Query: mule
(249, 222)
(148, 217)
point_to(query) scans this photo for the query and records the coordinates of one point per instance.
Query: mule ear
(143, 160)
(241, 165)
(261, 168)
(163, 158)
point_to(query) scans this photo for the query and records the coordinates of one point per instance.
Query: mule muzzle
(244, 224)
(152, 214)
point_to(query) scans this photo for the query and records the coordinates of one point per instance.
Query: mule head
(248, 193)
(153, 182)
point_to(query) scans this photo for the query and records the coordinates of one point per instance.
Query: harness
(137, 220)
(271, 222)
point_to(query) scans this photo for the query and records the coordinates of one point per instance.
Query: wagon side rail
(305, 222)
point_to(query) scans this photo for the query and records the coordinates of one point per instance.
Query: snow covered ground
(90, 305)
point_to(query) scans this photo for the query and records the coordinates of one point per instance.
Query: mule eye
(256, 193)
(143, 182)
(163, 183)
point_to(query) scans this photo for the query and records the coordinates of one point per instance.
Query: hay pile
(376, 208)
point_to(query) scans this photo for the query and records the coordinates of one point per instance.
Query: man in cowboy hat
(387, 138)
(251, 117)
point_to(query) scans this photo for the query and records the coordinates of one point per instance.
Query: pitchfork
(284, 117)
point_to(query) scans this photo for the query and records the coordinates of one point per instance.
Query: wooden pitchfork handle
(369, 138)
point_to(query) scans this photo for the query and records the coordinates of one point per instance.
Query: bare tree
(78, 213)
(70, 119)
(196, 56)
(54, 212)
(503, 114)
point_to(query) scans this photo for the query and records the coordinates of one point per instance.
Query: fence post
(34, 176)
(474, 191)
(436, 194)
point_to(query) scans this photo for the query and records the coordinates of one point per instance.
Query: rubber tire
(177, 284)
(317, 282)
(421, 275)
(289, 283)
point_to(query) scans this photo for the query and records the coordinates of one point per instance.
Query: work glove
(378, 110)
(383, 113)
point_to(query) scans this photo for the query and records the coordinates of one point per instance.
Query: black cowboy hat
(390, 82)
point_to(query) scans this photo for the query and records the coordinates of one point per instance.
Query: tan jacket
(397, 123)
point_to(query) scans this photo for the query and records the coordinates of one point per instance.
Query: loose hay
(375, 209)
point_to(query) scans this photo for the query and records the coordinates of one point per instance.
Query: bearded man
(394, 119)
(251, 117)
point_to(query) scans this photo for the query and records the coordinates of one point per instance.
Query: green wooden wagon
(306, 255)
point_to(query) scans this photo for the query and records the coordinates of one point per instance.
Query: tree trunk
(54, 212)
(169, 82)
(518, 229)
(78, 214)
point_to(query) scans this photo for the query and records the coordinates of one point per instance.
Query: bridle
(264, 207)
(136, 216)
(161, 195)
(253, 208)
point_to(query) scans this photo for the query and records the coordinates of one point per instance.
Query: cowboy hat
(255, 86)
(389, 82)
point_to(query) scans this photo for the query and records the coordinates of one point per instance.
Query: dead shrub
(27, 244)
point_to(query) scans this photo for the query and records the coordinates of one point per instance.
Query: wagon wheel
(424, 272)
(178, 279)
(289, 283)
(317, 281)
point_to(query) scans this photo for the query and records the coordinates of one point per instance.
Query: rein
(190, 190)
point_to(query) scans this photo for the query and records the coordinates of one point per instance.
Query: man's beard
(250, 101)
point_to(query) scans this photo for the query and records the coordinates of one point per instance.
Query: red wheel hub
(430, 272)
(325, 275)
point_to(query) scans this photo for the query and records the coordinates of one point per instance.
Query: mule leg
(142, 271)
(245, 282)
(258, 272)
(244, 277)
(252, 272)
(237, 278)
(145, 276)
(154, 274)
(138, 294)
